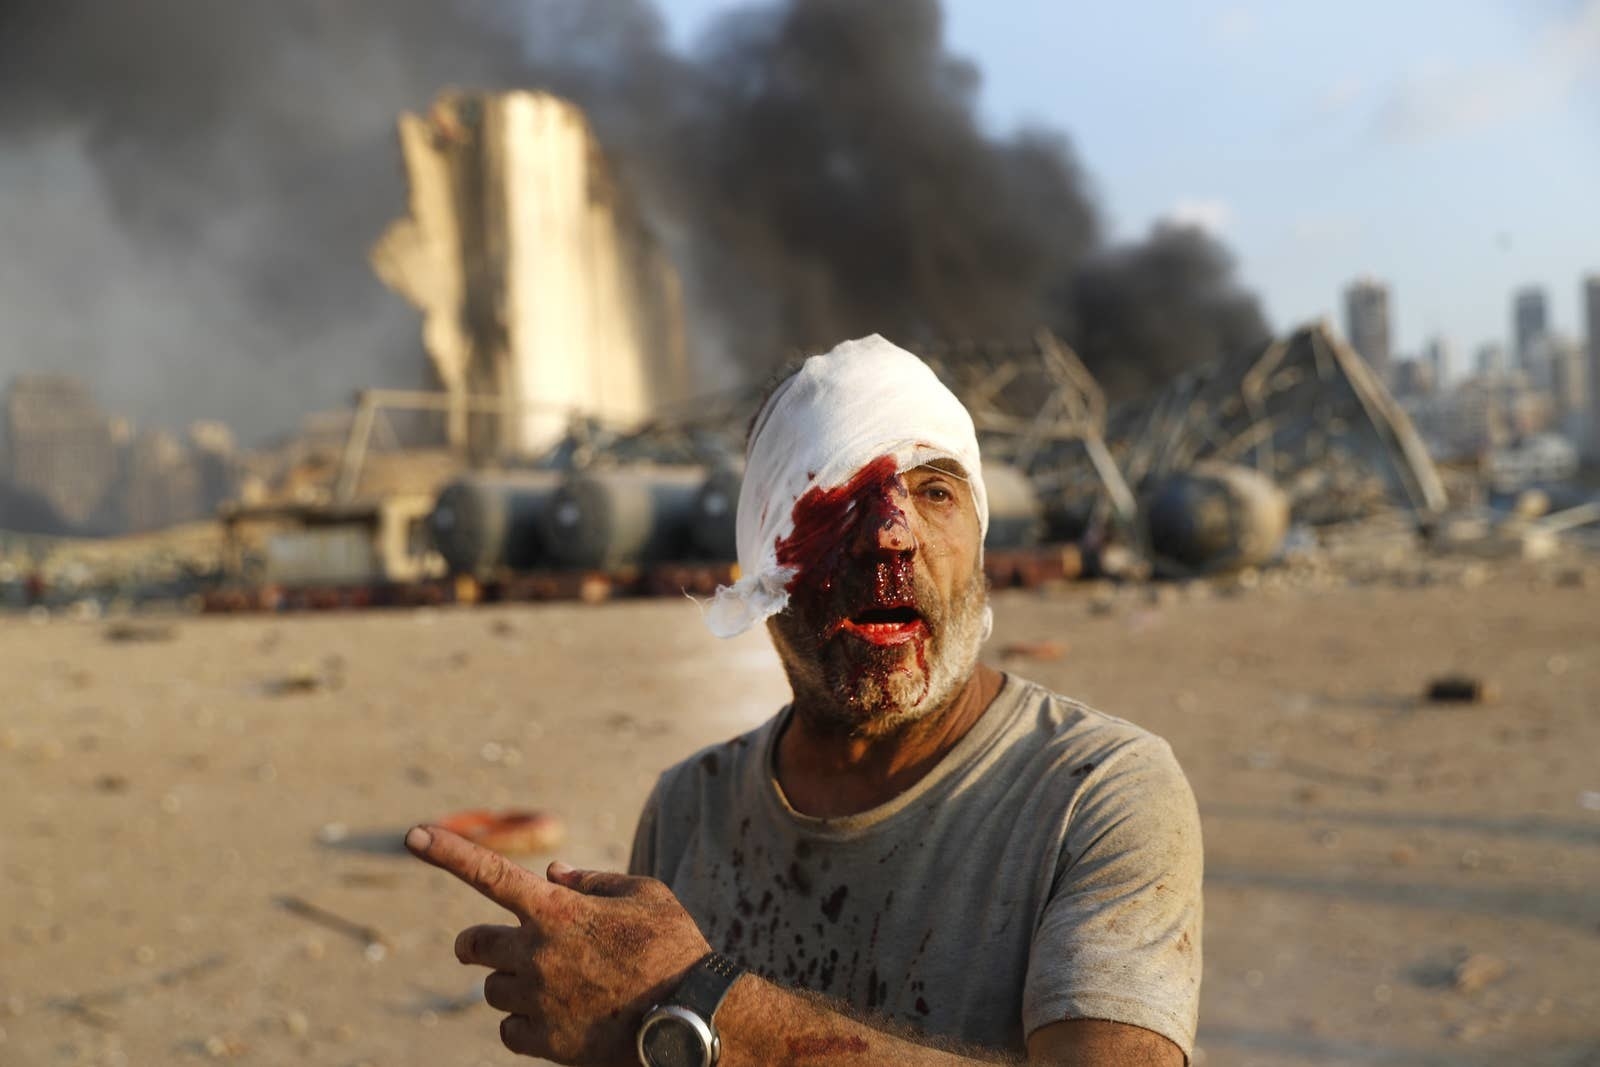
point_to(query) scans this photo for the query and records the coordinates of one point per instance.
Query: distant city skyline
(1448, 150)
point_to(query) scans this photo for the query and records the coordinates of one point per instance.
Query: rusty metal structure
(1307, 412)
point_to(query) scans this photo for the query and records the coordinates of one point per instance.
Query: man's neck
(827, 773)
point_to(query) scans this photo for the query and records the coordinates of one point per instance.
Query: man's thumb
(589, 883)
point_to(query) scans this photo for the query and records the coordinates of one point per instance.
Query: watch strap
(706, 985)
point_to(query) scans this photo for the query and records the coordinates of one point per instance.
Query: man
(920, 860)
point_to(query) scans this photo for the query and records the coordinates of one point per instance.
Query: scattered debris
(225, 1046)
(511, 832)
(90, 1007)
(1460, 689)
(1044, 651)
(375, 944)
(1477, 971)
(129, 631)
(309, 678)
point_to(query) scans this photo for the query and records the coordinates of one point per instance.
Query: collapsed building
(543, 294)
(67, 467)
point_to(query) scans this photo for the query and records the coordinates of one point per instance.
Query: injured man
(918, 860)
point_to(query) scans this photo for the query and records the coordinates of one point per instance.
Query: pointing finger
(514, 888)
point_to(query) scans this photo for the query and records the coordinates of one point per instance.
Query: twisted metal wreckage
(551, 319)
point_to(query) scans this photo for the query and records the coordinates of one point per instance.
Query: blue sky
(1450, 149)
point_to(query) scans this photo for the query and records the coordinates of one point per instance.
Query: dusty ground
(160, 798)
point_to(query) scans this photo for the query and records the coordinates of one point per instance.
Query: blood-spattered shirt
(1047, 868)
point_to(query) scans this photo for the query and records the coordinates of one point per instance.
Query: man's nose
(886, 527)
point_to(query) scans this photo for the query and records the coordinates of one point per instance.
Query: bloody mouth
(885, 626)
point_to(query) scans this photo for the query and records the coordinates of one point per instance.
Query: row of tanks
(612, 517)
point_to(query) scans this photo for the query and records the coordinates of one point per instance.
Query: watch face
(671, 1042)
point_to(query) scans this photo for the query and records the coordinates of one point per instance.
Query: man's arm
(595, 950)
(762, 1024)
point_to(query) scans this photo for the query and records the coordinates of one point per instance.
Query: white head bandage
(863, 400)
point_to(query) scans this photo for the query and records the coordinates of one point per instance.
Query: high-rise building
(1436, 353)
(1530, 321)
(1413, 378)
(1491, 361)
(1563, 360)
(1591, 319)
(1366, 309)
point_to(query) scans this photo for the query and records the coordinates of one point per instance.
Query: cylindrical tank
(1016, 518)
(487, 521)
(1216, 516)
(615, 517)
(712, 533)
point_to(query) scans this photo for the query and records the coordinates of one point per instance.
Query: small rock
(313, 948)
(129, 631)
(1460, 689)
(1044, 651)
(1403, 856)
(224, 1046)
(331, 833)
(304, 678)
(1477, 971)
(296, 1023)
(111, 783)
(144, 954)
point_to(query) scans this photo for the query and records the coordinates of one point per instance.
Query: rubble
(1460, 690)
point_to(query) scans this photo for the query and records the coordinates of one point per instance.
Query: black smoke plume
(188, 190)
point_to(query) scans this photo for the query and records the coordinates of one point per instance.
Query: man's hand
(592, 953)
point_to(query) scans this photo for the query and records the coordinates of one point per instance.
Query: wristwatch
(680, 1032)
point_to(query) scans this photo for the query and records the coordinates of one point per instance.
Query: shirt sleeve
(1119, 939)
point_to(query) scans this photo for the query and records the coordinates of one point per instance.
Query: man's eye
(937, 493)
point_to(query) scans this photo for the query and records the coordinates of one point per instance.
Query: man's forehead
(942, 465)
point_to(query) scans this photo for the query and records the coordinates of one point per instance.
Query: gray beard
(875, 707)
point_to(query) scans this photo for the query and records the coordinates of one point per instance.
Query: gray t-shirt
(1047, 868)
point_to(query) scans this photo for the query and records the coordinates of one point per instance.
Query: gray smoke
(188, 190)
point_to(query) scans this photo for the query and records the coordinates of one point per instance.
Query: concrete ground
(1388, 881)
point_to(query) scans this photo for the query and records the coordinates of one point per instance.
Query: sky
(1450, 149)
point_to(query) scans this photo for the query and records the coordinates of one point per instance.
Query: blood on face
(852, 550)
